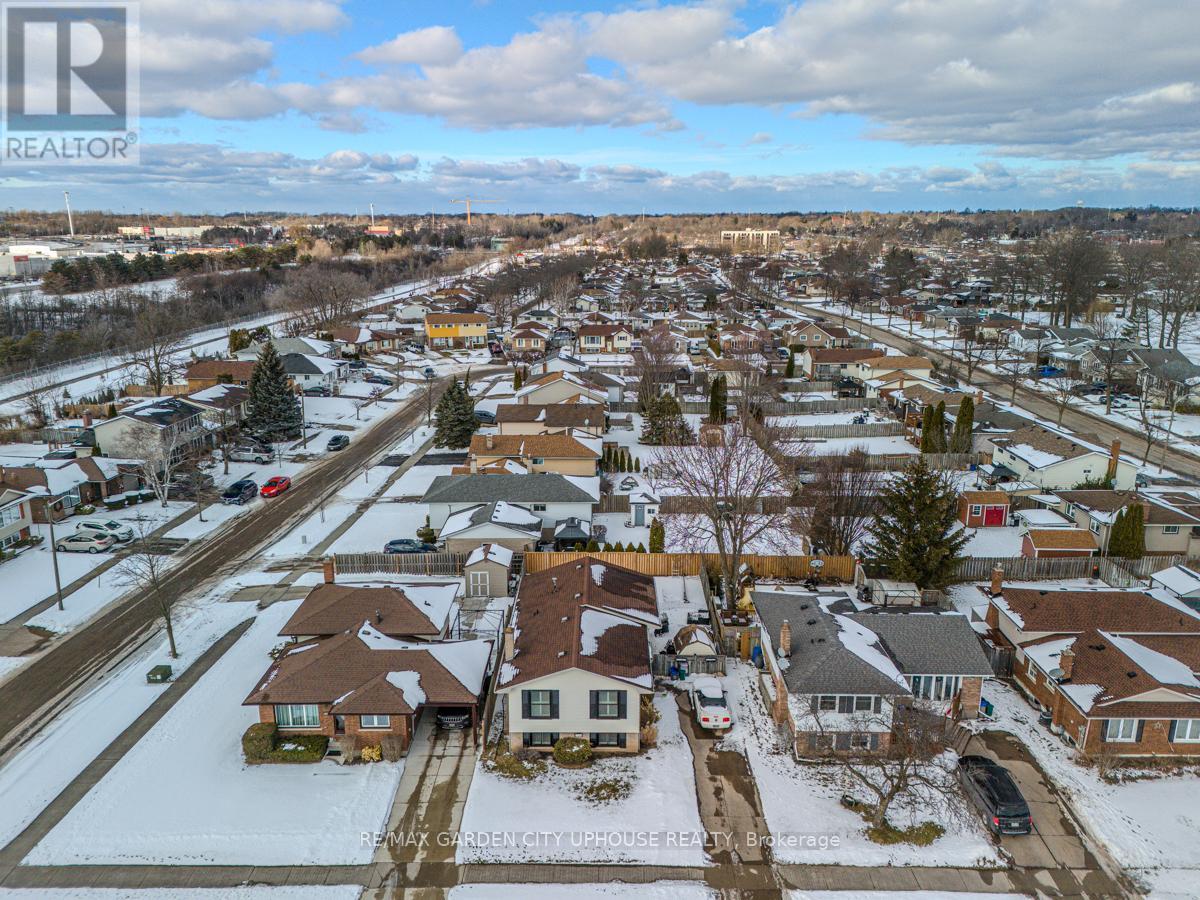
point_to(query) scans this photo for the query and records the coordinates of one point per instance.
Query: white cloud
(437, 45)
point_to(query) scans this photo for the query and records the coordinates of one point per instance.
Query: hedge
(261, 744)
(572, 751)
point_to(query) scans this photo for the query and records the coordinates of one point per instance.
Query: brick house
(983, 509)
(205, 373)
(1114, 668)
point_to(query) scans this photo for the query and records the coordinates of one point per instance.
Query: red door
(993, 516)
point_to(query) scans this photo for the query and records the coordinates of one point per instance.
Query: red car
(276, 486)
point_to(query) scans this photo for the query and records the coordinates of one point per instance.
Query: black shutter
(554, 704)
(1103, 730)
(524, 704)
(621, 735)
(1171, 731)
(1141, 727)
(878, 707)
(594, 704)
(622, 707)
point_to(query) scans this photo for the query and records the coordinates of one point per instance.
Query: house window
(297, 715)
(976, 509)
(539, 507)
(11, 539)
(1120, 730)
(862, 704)
(11, 514)
(934, 687)
(607, 704)
(1170, 529)
(540, 704)
(607, 739)
(827, 703)
(863, 741)
(538, 461)
(1185, 730)
(375, 721)
(540, 738)
(803, 338)
(1095, 526)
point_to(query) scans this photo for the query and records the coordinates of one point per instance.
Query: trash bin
(159, 675)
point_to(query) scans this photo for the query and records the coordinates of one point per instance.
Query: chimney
(327, 568)
(997, 581)
(488, 442)
(87, 418)
(509, 648)
(1066, 662)
(1114, 457)
(978, 397)
(554, 582)
(378, 616)
(785, 639)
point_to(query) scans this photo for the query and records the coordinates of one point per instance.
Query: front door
(339, 724)
(993, 516)
(479, 584)
(639, 514)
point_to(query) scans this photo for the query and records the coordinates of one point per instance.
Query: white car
(110, 527)
(709, 704)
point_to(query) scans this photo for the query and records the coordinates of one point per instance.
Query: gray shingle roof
(928, 643)
(540, 487)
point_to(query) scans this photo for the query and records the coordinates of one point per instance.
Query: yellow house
(456, 329)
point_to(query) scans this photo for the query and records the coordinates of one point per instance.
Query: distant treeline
(93, 273)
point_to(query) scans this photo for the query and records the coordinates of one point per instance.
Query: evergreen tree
(637, 464)
(664, 424)
(964, 424)
(455, 418)
(641, 548)
(517, 380)
(618, 548)
(593, 547)
(272, 408)
(1127, 539)
(939, 428)
(790, 371)
(718, 396)
(927, 430)
(912, 536)
(658, 536)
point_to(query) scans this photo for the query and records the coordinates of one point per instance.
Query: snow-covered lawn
(880, 445)
(242, 892)
(804, 800)
(657, 890)
(687, 533)
(618, 532)
(1149, 825)
(380, 523)
(304, 537)
(992, 541)
(77, 736)
(678, 595)
(416, 481)
(184, 796)
(548, 822)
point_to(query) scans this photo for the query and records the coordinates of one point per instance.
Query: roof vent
(578, 595)
(1131, 674)
(554, 582)
(811, 622)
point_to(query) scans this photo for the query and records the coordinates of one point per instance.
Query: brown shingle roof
(556, 415)
(1062, 539)
(1043, 441)
(333, 608)
(546, 446)
(841, 354)
(1071, 612)
(236, 369)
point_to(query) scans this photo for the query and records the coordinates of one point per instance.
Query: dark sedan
(338, 442)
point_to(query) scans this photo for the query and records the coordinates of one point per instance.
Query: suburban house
(551, 496)
(603, 339)
(526, 340)
(560, 387)
(576, 659)
(983, 509)
(566, 454)
(1055, 461)
(306, 346)
(166, 425)
(1169, 530)
(205, 373)
(831, 363)
(498, 523)
(810, 334)
(16, 516)
(556, 418)
(73, 482)
(308, 371)
(455, 329)
(362, 688)
(222, 405)
(1113, 668)
(875, 370)
(417, 611)
(843, 676)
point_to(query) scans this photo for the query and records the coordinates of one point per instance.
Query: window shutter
(1171, 731)
(622, 706)
(554, 704)
(621, 738)
(845, 704)
(524, 704)
(878, 707)
(594, 704)
(1141, 726)
(1103, 730)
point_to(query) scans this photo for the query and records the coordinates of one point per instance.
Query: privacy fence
(1113, 571)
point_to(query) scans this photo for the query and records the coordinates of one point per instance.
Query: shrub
(85, 510)
(572, 751)
(258, 741)
(301, 748)
(648, 736)
(371, 753)
(648, 713)
(921, 835)
(523, 765)
(604, 790)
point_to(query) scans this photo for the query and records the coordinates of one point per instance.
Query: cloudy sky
(320, 105)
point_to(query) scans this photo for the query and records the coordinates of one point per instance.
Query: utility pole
(50, 504)
(70, 220)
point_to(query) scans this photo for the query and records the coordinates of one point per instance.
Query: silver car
(110, 527)
(250, 454)
(84, 542)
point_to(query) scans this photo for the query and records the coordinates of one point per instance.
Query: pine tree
(964, 424)
(517, 380)
(1127, 539)
(913, 536)
(717, 399)
(455, 418)
(927, 430)
(618, 548)
(272, 409)
(790, 371)
(658, 536)
(939, 428)
(637, 464)
(641, 548)
(593, 547)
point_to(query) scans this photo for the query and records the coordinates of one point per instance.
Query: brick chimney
(785, 639)
(327, 569)
(509, 643)
(997, 581)
(87, 418)
(978, 397)
(1066, 663)
(1114, 457)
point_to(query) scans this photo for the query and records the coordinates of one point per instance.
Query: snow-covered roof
(1159, 666)
(491, 553)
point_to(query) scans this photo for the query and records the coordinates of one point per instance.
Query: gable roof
(396, 610)
(538, 487)
(552, 446)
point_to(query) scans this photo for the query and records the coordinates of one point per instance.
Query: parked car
(709, 704)
(992, 789)
(783, 352)
(454, 719)
(239, 492)
(185, 488)
(379, 379)
(428, 372)
(484, 417)
(84, 542)
(408, 545)
(357, 364)
(248, 453)
(110, 527)
(338, 442)
(318, 390)
(1051, 372)
(276, 485)
(61, 453)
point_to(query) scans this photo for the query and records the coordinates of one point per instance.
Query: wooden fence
(774, 407)
(838, 568)
(895, 462)
(399, 563)
(871, 429)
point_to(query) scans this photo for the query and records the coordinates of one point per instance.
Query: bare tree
(1109, 352)
(319, 296)
(160, 453)
(1062, 391)
(1136, 267)
(145, 570)
(735, 492)
(654, 363)
(1178, 290)
(36, 402)
(197, 485)
(157, 347)
(559, 294)
(973, 350)
(839, 503)
(1076, 265)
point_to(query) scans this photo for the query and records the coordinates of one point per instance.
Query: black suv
(239, 492)
(992, 789)
(338, 442)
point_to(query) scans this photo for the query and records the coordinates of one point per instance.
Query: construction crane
(469, 200)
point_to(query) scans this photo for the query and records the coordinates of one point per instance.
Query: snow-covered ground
(242, 892)
(657, 890)
(183, 795)
(382, 522)
(992, 541)
(687, 533)
(677, 596)
(802, 805)
(547, 822)
(1149, 825)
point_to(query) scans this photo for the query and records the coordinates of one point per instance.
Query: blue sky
(328, 105)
